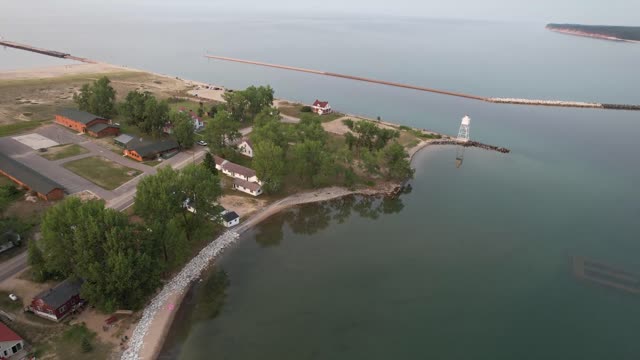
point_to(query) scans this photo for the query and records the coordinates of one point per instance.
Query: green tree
(237, 105)
(268, 161)
(133, 107)
(210, 163)
(268, 127)
(397, 162)
(221, 130)
(201, 189)
(97, 98)
(245, 105)
(310, 128)
(86, 345)
(37, 262)
(88, 241)
(309, 158)
(156, 115)
(183, 129)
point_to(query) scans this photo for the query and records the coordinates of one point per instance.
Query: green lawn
(102, 172)
(7, 304)
(10, 129)
(63, 151)
(295, 111)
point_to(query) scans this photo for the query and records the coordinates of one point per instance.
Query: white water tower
(463, 133)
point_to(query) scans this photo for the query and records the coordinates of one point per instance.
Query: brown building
(86, 123)
(30, 179)
(143, 150)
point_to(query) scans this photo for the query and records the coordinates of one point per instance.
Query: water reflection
(311, 218)
(459, 155)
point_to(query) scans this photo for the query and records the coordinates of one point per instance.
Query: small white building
(250, 188)
(321, 107)
(239, 172)
(246, 148)
(230, 218)
(11, 344)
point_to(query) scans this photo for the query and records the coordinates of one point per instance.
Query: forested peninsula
(617, 33)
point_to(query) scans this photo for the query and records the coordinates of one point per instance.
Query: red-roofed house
(321, 107)
(10, 342)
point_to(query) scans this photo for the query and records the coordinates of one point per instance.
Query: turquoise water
(474, 262)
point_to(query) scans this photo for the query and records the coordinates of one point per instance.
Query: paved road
(119, 199)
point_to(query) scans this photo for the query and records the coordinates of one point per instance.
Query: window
(62, 308)
(19, 346)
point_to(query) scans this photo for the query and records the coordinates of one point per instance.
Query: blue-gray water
(475, 264)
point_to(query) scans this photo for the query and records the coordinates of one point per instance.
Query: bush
(86, 345)
(403, 127)
(305, 109)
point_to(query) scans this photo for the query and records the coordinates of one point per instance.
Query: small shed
(230, 218)
(123, 140)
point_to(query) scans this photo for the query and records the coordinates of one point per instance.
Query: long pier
(516, 101)
(604, 274)
(58, 54)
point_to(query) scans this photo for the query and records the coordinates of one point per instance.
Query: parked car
(201, 143)
(13, 297)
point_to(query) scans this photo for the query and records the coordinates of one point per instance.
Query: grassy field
(7, 304)
(18, 127)
(102, 172)
(63, 151)
(295, 111)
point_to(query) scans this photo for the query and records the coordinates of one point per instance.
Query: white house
(10, 343)
(239, 172)
(321, 107)
(246, 148)
(230, 218)
(250, 188)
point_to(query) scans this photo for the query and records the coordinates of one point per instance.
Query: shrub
(404, 127)
(305, 109)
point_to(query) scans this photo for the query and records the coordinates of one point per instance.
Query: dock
(606, 275)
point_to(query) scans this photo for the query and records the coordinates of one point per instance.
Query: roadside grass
(9, 305)
(63, 151)
(153, 163)
(102, 172)
(18, 127)
(8, 194)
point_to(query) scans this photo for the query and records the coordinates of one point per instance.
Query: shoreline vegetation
(362, 156)
(604, 32)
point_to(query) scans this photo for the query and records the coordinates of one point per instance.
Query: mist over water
(474, 262)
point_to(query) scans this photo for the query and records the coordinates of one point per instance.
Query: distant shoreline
(610, 33)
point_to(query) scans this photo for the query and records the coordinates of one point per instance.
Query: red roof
(7, 334)
(321, 104)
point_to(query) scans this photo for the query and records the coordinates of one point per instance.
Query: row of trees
(122, 261)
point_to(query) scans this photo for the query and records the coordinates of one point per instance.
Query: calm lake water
(474, 262)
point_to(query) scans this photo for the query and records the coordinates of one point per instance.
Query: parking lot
(24, 152)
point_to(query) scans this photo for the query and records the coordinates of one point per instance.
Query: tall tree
(221, 131)
(97, 98)
(268, 127)
(156, 115)
(210, 163)
(269, 163)
(201, 189)
(88, 241)
(246, 104)
(133, 107)
(397, 162)
(183, 129)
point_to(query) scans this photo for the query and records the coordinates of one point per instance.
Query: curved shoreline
(151, 331)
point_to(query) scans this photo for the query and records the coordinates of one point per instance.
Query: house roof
(248, 141)
(100, 126)
(151, 147)
(79, 115)
(61, 293)
(247, 184)
(7, 334)
(33, 179)
(239, 169)
(230, 216)
(219, 160)
(321, 103)
(124, 138)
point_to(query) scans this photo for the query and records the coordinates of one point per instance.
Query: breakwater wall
(515, 101)
(34, 49)
(475, 144)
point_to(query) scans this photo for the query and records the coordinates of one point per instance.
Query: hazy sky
(619, 12)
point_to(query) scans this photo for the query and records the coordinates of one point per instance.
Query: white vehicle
(13, 297)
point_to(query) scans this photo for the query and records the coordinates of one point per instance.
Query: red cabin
(58, 302)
